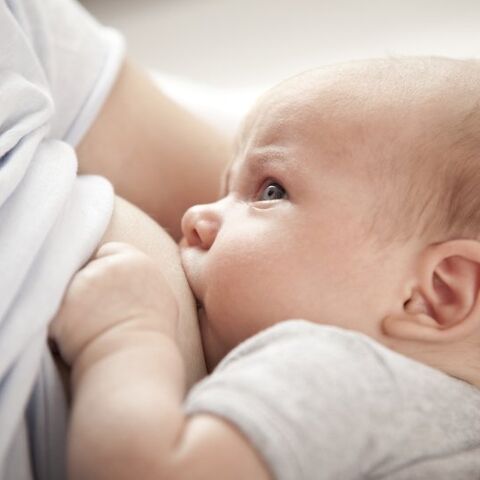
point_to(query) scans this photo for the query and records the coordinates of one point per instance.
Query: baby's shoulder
(301, 341)
(312, 389)
(338, 359)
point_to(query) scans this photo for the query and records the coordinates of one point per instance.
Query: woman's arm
(157, 155)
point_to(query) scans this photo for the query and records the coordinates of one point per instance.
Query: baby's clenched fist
(120, 288)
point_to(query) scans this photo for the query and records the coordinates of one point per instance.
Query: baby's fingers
(59, 329)
(81, 294)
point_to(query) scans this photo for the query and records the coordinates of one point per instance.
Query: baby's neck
(465, 373)
(463, 367)
(461, 361)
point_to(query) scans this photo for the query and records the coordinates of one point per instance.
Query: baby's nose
(200, 226)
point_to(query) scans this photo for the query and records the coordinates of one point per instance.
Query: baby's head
(351, 201)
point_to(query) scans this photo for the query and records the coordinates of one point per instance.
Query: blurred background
(238, 43)
(216, 56)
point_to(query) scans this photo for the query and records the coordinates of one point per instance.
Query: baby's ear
(444, 304)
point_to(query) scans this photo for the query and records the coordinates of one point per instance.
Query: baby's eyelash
(251, 186)
(270, 189)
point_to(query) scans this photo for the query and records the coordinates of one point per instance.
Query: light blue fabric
(54, 59)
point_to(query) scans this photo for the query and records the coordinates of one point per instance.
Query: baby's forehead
(304, 113)
(369, 117)
(370, 102)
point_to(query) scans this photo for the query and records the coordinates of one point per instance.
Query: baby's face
(289, 238)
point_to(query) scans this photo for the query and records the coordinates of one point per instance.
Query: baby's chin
(206, 337)
(213, 349)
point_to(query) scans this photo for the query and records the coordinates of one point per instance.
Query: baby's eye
(272, 191)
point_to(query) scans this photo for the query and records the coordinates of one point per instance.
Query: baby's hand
(120, 288)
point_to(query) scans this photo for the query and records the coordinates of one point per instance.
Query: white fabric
(56, 68)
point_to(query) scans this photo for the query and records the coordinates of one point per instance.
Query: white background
(239, 43)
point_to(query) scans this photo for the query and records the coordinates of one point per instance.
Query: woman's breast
(130, 225)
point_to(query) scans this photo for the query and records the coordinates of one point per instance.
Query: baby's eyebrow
(265, 158)
(259, 159)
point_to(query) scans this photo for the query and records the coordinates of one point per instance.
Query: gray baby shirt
(320, 402)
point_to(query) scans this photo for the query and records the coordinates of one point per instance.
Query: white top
(57, 66)
(322, 403)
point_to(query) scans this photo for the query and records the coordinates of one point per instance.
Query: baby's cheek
(229, 297)
(244, 294)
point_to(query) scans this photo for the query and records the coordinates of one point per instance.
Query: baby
(352, 206)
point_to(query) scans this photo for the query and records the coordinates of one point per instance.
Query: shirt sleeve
(78, 57)
(54, 75)
(308, 397)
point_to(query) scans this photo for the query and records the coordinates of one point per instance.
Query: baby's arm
(130, 225)
(157, 155)
(117, 327)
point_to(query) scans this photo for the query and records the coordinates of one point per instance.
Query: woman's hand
(121, 288)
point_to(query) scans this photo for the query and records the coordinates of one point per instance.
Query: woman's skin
(163, 160)
(157, 155)
(132, 226)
